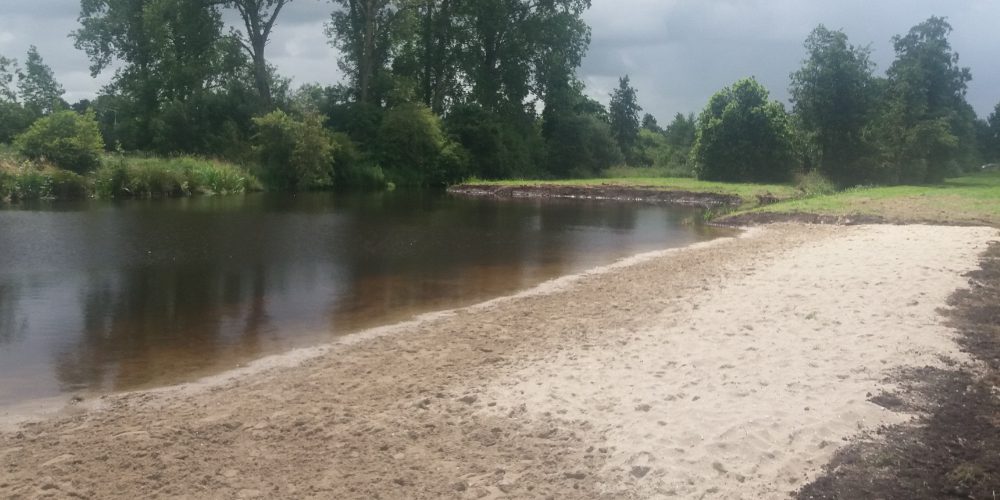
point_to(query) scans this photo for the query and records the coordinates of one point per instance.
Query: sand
(731, 369)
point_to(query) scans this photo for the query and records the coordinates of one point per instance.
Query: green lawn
(748, 192)
(974, 199)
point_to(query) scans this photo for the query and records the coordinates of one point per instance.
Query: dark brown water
(101, 296)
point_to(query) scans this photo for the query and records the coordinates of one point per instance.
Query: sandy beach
(729, 369)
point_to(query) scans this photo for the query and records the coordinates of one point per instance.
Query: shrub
(295, 154)
(743, 136)
(498, 146)
(66, 139)
(414, 150)
(580, 145)
(353, 170)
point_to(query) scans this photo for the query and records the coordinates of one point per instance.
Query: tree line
(438, 91)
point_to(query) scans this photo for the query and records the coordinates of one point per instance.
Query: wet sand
(730, 369)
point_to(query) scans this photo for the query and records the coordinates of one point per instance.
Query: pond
(110, 296)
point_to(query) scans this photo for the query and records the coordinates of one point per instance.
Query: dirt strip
(602, 192)
(731, 369)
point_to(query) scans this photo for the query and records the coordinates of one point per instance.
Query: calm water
(101, 296)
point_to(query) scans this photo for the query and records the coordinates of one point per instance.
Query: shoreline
(41, 409)
(742, 369)
(604, 192)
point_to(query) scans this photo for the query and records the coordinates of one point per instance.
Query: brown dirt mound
(951, 452)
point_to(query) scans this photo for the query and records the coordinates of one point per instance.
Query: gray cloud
(678, 52)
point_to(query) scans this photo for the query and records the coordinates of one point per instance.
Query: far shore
(730, 369)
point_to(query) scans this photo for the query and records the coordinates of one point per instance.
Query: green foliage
(14, 119)
(135, 177)
(295, 154)
(925, 119)
(25, 180)
(414, 150)
(37, 87)
(649, 123)
(498, 147)
(667, 151)
(180, 84)
(8, 70)
(353, 169)
(991, 139)
(64, 138)
(624, 113)
(580, 145)
(833, 94)
(743, 136)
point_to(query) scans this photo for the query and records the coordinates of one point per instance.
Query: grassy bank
(122, 177)
(181, 176)
(973, 199)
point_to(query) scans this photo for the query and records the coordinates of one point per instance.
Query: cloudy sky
(678, 52)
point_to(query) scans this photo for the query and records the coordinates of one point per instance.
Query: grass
(139, 177)
(122, 177)
(973, 199)
(22, 180)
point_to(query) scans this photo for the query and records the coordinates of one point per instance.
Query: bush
(743, 136)
(14, 120)
(66, 139)
(295, 154)
(415, 152)
(580, 145)
(353, 170)
(498, 148)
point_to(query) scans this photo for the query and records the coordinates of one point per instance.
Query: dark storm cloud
(678, 52)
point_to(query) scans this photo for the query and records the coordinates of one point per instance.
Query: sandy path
(729, 370)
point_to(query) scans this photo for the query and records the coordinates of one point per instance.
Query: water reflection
(111, 296)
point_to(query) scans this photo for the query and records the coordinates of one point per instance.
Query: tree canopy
(833, 95)
(743, 136)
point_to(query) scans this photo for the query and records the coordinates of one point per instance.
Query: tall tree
(926, 113)
(259, 17)
(514, 48)
(170, 55)
(992, 146)
(365, 32)
(624, 110)
(8, 69)
(37, 87)
(833, 94)
(432, 52)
